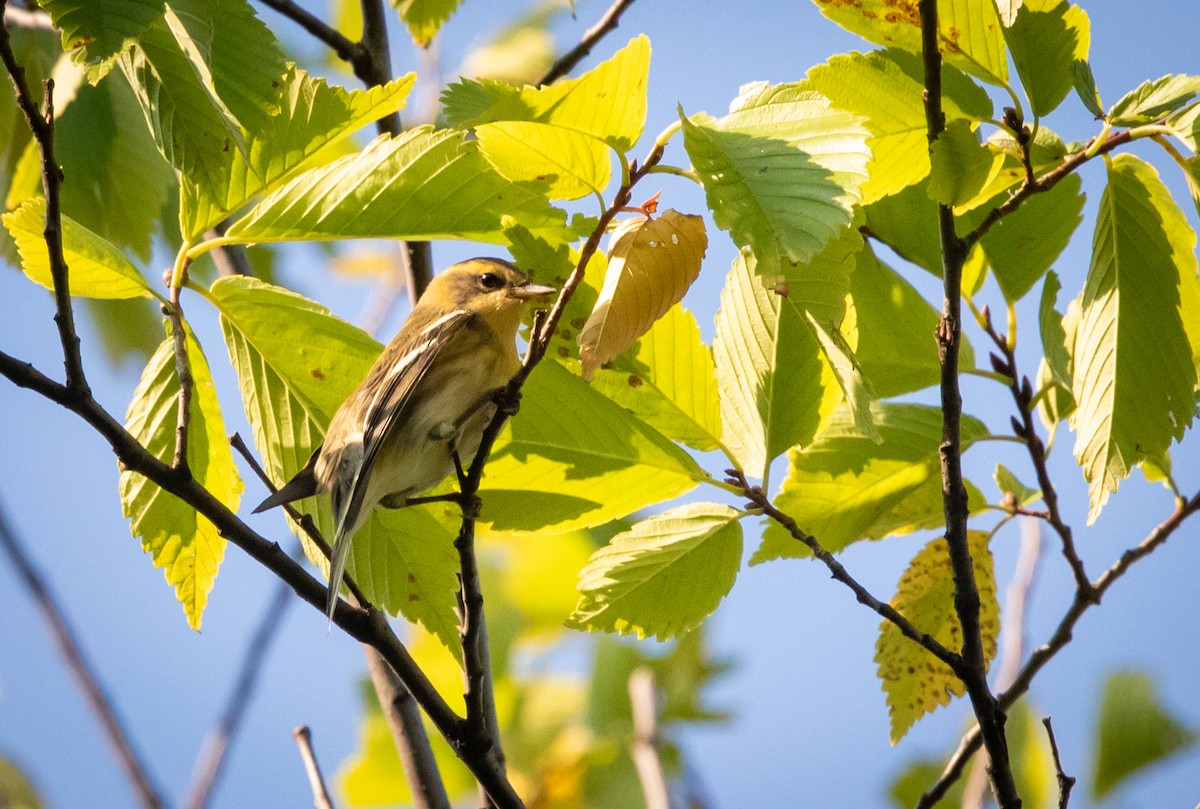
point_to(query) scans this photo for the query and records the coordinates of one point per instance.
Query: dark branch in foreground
(759, 500)
(970, 741)
(567, 62)
(954, 492)
(95, 693)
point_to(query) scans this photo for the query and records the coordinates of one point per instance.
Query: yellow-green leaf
(96, 268)
(914, 681)
(960, 164)
(1046, 41)
(651, 264)
(663, 576)
(425, 18)
(180, 540)
(571, 164)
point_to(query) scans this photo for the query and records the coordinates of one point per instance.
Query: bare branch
(567, 62)
(28, 19)
(1065, 782)
(759, 500)
(42, 128)
(89, 682)
(970, 741)
(214, 753)
(316, 780)
(346, 49)
(644, 748)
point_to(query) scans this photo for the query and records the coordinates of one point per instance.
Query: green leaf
(668, 381)
(101, 142)
(1154, 99)
(425, 18)
(520, 52)
(960, 164)
(664, 576)
(551, 471)
(1054, 336)
(180, 540)
(97, 269)
(885, 87)
(98, 30)
(856, 390)
(607, 103)
(1085, 88)
(907, 223)
(969, 31)
(16, 787)
(296, 363)
(1033, 761)
(1134, 379)
(914, 681)
(775, 387)
(895, 348)
(1133, 730)
(313, 118)
(1024, 245)
(1045, 44)
(906, 790)
(572, 164)
(421, 185)
(1008, 484)
(781, 172)
(846, 486)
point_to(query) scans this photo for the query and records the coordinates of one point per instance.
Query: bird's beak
(529, 291)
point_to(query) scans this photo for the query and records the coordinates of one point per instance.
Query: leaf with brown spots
(652, 262)
(914, 681)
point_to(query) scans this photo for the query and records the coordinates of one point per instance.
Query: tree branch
(954, 493)
(214, 754)
(364, 624)
(43, 132)
(567, 62)
(759, 500)
(644, 750)
(316, 781)
(1024, 428)
(1065, 782)
(346, 49)
(89, 682)
(28, 19)
(971, 740)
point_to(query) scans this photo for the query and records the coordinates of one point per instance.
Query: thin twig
(77, 663)
(1023, 427)
(215, 752)
(1062, 635)
(42, 128)
(1065, 782)
(644, 749)
(346, 49)
(567, 62)
(759, 500)
(316, 780)
(954, 493)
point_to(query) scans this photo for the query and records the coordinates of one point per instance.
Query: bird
(423, 405)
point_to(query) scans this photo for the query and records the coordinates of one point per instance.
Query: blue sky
(810, 726)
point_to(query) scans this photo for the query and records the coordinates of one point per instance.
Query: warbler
(426, 397)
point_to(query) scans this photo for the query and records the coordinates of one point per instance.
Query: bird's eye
(491, 281)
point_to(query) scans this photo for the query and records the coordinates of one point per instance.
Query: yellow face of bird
(490, 287)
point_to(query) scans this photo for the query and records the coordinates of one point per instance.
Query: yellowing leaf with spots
(915, 682)
(652, 262)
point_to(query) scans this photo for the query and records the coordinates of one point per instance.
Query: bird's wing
(390, 407)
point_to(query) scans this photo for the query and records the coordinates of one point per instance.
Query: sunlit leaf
(1085, 88)
(97, 30)
(960, 164)
(425, 18)
(885, 87)
(552, 471)
(572, 164)
(1008, 484)
(1133, 378)
(1154, 99)
(969, 31)
(1134, 730)
(1045, 43)
(423, 184)
(665, 575)
(781, 172)
(847, 486)
(96, 268)
(179, 539)
(914, 681)
(651, 264)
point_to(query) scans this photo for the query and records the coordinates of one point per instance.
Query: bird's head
(490, 287)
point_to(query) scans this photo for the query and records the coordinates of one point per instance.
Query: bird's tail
(304, 484)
